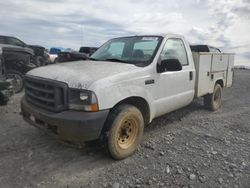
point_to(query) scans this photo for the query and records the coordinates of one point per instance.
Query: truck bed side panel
(219, 62)
(211, 67)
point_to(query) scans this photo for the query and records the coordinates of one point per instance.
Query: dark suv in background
(17, 61)
(84, 53)
(40, 56)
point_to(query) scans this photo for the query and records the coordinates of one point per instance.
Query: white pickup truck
(125, 84)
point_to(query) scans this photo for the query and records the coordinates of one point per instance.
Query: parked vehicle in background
(204, 48)
(88, 50)
(5, 84)
(40, 56)
(83, 54)
(127, 83)
(17, 62)
(53, 54)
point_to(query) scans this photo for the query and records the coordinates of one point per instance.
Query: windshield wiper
(115, 60)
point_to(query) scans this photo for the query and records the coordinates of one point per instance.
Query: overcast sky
(72, 23)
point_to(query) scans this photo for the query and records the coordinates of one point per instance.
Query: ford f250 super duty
(124, 85)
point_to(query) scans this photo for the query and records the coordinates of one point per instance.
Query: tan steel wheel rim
(127, 133)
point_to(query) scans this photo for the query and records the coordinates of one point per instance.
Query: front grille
(47, 94)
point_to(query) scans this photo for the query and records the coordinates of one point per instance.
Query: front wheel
(125, 132)
(17, 80)
(213, 101)
(39, 61)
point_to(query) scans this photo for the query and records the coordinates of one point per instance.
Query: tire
(56, 61)
(17, 80)
(213, 101)
(125, 132)
(3, 99)
(39, 61)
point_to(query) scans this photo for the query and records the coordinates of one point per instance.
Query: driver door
(175, 89)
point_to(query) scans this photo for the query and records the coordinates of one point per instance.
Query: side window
(144, 49)
(175, 49)
(3, 40)
(116, 49)
(16, 42)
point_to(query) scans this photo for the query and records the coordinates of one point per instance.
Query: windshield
(138, 50)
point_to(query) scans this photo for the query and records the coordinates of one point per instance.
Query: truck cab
(124, 85)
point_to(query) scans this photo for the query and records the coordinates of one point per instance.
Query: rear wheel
(17, 80)
(213, 101)
(125, 132)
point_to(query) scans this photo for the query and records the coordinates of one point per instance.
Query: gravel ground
(191, 147)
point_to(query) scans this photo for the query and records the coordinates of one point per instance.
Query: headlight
(83, 100)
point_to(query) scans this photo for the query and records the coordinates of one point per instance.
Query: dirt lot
(191, 147)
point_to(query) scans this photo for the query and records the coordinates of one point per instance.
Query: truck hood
(13, 48)
(81, 74)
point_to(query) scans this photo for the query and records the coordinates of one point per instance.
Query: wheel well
(220, 82)
(139, 103)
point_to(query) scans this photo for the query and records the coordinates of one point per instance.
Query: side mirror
(169, 65)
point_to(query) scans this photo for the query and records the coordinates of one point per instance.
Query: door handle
(191, 76)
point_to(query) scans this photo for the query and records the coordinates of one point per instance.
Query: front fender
(108, 97)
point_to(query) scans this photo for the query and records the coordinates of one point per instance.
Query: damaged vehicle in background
(5, 84)
(17, 62)
(83, 54)
(40, 56)
(53, 54)
(125, 84)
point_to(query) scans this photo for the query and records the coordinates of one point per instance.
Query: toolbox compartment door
(211, 67)
(230, 72)
(219, 62)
